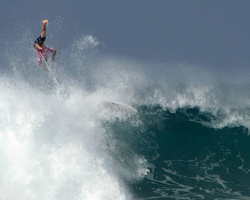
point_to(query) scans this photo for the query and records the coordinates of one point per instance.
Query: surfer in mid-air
(42, 50)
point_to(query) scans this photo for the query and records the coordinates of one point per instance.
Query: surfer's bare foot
(45, 21)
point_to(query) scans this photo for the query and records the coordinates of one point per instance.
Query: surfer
(42, 50)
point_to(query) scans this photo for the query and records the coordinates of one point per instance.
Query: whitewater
(63, 145)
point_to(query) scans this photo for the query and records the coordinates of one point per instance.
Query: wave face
(189, 139)
(188, 159)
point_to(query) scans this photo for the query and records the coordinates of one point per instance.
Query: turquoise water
(186, 158)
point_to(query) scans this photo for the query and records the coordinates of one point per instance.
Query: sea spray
(53, 148)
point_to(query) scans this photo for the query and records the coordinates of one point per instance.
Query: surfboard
(117, 106)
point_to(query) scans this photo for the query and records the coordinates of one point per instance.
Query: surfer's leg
(47, 51)
(44, 28)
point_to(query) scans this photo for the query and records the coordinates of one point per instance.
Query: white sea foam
(55, 148)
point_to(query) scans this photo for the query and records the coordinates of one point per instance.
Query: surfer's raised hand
(45, 21)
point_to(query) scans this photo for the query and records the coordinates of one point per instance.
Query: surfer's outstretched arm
(44, 28)
(39, 41)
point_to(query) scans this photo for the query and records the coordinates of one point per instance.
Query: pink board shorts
(43, 54)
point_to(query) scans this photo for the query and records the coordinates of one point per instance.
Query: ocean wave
(189, 138)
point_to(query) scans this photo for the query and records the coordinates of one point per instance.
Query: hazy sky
(213, 33)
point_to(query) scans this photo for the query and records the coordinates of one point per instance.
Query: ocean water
(189, 139)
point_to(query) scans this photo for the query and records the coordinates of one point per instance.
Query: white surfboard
(117, 106)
